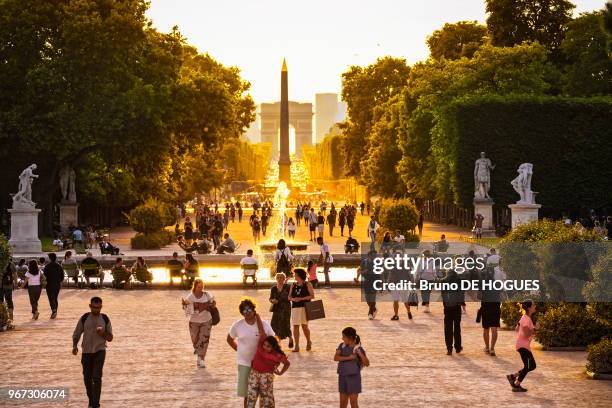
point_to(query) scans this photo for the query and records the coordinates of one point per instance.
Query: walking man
(325, 259)
(55, 276)
(96, 330)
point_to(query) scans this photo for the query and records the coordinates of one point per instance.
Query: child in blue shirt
(350, 357)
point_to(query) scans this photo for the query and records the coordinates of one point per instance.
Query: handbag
(214, 313)
(413, 299)
(314, 310)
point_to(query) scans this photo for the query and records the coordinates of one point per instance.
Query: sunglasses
(247, 310)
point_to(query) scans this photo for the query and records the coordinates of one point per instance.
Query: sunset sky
(319, 38)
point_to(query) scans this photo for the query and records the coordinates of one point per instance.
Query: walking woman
(32, 280)
(525, 331)
(281, 308)
(283, 258)
(291, 227)
(197, 306)
(301, 291)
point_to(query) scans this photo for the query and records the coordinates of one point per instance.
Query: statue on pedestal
(482, 177)
(522, 184)
(24, 194)
(67, 178)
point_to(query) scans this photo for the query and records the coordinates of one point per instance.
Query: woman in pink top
(526, 330)
(268, 357)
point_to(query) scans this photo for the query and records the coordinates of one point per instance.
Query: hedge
(599, 359)
(566, 139)
(154, 240)
(152, 216)
(570, 325)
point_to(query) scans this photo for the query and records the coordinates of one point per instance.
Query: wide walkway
(241, 233)
(150, 362)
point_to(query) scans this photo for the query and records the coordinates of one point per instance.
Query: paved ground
(150, 362)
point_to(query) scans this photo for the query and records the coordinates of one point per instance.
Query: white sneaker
(201, 363)
(370, 316)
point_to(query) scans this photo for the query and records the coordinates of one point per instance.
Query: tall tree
(364, 88)
(589, 68)
(511, 22)
(457, 40)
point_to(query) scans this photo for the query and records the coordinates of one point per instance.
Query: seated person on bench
(351, 245)
(249, 267)
(175, 267)
(442, 244)
(228, 245)
(91, 267)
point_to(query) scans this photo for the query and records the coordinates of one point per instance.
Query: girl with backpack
(525, 331)
(351, 357)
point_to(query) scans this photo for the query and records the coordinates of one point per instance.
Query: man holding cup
(96, 330)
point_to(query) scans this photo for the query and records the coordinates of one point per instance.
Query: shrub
(5, 252)
(599, 359)
(398, 215)
(155, 240)
(511, 310)
(569, 325)
(151, 216)
(599, 288)
(559, 256)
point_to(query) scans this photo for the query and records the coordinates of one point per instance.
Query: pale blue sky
(319, 38)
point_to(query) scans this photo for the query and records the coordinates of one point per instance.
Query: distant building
(326, 110)
(253, 134)
(300, 117)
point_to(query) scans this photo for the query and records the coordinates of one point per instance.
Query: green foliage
(511, 22)
(4, 316)
(569, 325)
(599, 358)
(457, 40)
(511, 311)
(378, 165)
(363, 89)
(151, 216)
(154, 240)
(5, 252)
(558, 256)
(434, 84)
(398, 215)
(570, 136)
(324, 160)
(589, 67)
(130, 108)
(599, 288)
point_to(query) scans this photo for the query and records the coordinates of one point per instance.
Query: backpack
(283, 261)
(105, 317)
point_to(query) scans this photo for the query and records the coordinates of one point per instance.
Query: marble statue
(482, 177)
(522, 184)
(24, 195)
(67, 178)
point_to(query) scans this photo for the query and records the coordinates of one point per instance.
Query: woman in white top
(283, 258)
(32, 279)
(197, 306)
(291, 228)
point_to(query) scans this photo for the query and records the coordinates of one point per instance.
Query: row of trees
(530, 48)
(137, 112)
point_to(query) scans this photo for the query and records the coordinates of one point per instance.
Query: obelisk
(284, 163)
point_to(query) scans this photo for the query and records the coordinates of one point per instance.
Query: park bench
(176, 271)
(253, 275)
(73, 273)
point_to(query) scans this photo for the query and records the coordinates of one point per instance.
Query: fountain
(279, 224)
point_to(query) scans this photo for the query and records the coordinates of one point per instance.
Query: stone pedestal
(24, 231)
(69, 216)
(524, 213)
(484, 207)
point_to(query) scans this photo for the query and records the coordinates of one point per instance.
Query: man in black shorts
(490, 313)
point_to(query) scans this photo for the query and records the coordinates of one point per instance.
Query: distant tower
(326, 110)
(284, 163)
